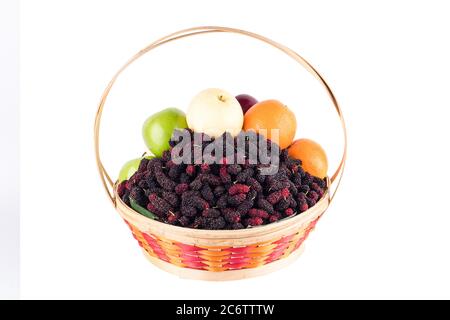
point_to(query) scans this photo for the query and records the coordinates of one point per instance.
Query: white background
(385, 236)
(9, 143)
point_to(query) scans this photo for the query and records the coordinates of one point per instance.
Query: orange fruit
(272, 114)
(313, 157)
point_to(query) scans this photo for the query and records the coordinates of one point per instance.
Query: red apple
(246, 101)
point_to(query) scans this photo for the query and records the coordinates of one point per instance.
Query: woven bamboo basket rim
(222, 237)
(188, 235)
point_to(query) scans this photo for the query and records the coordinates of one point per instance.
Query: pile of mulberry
(222, 195)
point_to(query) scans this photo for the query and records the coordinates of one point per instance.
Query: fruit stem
(222, 98)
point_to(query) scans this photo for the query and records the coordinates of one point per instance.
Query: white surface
(9, 144)
(385, 236)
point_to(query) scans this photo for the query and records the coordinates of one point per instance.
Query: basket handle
(106, 179)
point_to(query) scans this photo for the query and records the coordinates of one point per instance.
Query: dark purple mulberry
(254, 184)
(162, 206)
(188, 211)
(315, 186)
(143, 184)
(292, 202)
(189, 194)
(293, 164)
(134, 180)
(154, 189)
(307, 178)
(265, 205)
(260, 177)
(198, 222)
(171, 198)
(300, 171)
(292, 188)
(227, 186)
(184, 221)
(304, 188)
(301, 197)
(310, 202)
(207, 193)
(320, 192)
(244, 175)
(219, 190)
(152, 163)
(138, 195)
(297, 179)
(276, 185)
(231, 215)
(151, 182)
(201, 203)
(163, 180)
(197, 183)
(126, 197)
(280, 175)
(313, 195)
(282, 205)
(236, 199)
(175, 171)
(284, 169)
(148, 174)
(143, 165)
(211, 179)
(236, 226)
(222, 202)
(121, 188)
(196, 202)
(211, 213)
(251, 195)
(245, 206)
(284, 155)
(184, 178)
(214, 223)
(321, 182)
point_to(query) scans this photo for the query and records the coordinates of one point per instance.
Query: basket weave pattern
(192, 252)
(221, 258)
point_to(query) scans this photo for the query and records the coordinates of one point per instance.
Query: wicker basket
(220, 254)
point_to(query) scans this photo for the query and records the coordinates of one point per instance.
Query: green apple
(158, 128)
(130, 167)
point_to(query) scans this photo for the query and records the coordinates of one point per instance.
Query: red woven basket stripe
(220, 258)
